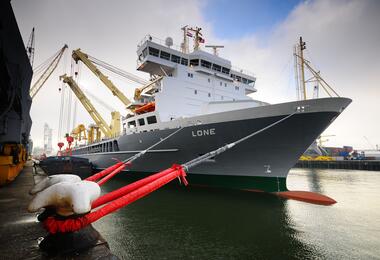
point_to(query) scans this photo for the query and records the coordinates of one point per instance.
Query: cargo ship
(15, 102)
(207, 98)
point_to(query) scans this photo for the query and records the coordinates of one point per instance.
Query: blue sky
(235, 19)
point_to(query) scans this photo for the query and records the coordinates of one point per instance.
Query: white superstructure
(193, 84)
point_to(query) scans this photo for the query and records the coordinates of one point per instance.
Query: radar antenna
(215, 48)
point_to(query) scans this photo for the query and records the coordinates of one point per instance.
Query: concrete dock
(19, 230)
(364, 165)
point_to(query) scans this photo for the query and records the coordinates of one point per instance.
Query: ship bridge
(157, 59)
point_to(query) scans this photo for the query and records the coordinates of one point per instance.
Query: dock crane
(48, 71)
(78, 55)
(108, 131)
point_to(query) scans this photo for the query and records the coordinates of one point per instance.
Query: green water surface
(204, 223)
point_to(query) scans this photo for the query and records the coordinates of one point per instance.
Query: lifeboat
(149, 107)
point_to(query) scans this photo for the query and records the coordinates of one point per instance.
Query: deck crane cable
(322, 82)
(118, 71)
(44, 64)
(98, 100)
(47, 72)
(124, 196)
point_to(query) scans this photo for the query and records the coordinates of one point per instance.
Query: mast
(296, 77)
(198, 37)
(302, 46)
(185, 44)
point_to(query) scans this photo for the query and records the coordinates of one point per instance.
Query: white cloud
(343, 41)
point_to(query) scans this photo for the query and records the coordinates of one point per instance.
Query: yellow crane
(108, 131)
(151, 84)
(79, 132)
(79, 55)
(94, 133)
(48, 71)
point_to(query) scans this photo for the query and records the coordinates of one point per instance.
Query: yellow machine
(146, 87)
(94, 134)
(12, 160)
(108, 131)
(78, 55)
(79, 132)
(316, 158)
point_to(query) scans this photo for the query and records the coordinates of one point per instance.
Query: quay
(364, 165)
(20, 232)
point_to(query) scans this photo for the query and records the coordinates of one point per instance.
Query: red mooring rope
(121, 198)
(105, 172)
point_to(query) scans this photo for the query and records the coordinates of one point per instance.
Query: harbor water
(204, 223)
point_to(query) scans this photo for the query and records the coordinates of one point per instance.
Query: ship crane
(107, 130)
(30, 48)
(47, 72)
(91, 62)
(78, 55)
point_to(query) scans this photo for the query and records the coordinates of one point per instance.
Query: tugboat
(208, 98)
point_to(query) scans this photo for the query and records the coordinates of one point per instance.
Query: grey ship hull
(260, 163)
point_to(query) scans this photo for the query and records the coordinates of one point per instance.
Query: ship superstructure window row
(241, 79)
(194, 63)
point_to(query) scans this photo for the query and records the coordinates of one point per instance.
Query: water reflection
(314, 181)
(200, 223)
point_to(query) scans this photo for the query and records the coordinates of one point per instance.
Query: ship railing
(151, 38)
(243, 71)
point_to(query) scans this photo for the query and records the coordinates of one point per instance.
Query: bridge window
(184, 61)
(151, 120)
(141, 121)
(165, 55)
(153, 51)
(216, 67)
(225, 70)
(194, 62)
(206, 64)
(250, 81)
(176, 58)
(132, 124)
(244, 80)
